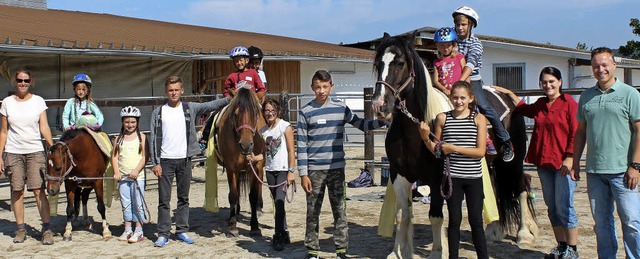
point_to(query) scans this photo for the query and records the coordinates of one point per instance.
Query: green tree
(632, 49)
(582, 46)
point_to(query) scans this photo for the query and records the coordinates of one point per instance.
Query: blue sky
(559, 22)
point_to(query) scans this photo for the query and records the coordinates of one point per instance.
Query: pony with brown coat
(237, 138)
(77, 161)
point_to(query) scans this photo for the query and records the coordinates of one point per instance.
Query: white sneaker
(125, 236)
(136, 237)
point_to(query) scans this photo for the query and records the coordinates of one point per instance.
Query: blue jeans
(557, 191)
(487, 110)
(604, 190)
(127, 192)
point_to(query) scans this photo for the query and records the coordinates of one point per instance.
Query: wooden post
(369, 149)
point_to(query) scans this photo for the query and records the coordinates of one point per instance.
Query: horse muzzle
(53, 191)
(382, 111)
(246, 148)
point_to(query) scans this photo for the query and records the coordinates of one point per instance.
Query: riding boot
(278, 241)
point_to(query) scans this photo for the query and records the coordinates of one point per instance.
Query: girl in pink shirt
(448, 66)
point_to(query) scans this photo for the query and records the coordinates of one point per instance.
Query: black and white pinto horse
(405, 95)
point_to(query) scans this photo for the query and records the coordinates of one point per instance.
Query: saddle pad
(214, 132)
(102, 140)
(496, 101)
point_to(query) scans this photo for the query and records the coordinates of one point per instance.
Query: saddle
(499, 104)
(102, 139)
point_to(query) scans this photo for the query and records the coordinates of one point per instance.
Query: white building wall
(582, 78)
(635, 76)
(533, 65)
(348, 78)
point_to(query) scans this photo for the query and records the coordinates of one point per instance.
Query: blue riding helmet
(445, 34)
(239, 51)
(82, 78)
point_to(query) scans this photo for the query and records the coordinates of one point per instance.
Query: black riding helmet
(255, 52)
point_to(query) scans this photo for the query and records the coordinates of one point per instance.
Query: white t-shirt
(276, 157)
(263, 77)
(174, 133)
(24, 124)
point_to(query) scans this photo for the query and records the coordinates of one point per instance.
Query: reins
(286, 186)
(402, 106)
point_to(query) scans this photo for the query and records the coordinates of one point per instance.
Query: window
(509, 75)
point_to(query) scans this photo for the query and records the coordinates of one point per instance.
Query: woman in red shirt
(551, 150)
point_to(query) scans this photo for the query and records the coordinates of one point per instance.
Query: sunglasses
(18, 80)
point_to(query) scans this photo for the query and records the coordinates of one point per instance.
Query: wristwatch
(635, 165)
(293, 170)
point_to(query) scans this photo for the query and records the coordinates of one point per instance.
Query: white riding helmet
(130, 111)
(469, 12)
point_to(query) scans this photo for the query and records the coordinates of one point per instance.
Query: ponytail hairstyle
(120, 137)
(469, 88)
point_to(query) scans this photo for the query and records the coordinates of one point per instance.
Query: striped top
(472, 50)
(321, 134)
(463, 133)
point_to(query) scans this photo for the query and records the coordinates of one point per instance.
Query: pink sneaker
(136, 237)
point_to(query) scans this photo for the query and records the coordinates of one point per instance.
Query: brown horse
(238, 137)
(74, 157)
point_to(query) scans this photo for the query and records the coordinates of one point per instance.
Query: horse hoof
(255, 233)
(525, 237)
(232, 235)
(66, 238)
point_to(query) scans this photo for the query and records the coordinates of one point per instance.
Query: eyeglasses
(18, 80)
(270, 111)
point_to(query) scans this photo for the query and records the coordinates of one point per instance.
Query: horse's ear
(412, 38)
(386, 36)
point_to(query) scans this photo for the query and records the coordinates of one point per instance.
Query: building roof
(46, 31)
(427, 44)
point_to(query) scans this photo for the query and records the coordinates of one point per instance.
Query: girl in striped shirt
(459, 130)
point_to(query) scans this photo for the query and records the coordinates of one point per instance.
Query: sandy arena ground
(208, 229)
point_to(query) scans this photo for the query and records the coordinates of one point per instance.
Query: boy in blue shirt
(321, 160)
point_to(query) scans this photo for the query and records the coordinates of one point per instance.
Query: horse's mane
(70, 134)
(244, 101)
(427, 97)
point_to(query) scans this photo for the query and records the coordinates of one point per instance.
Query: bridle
(246, 126)
(402, 104)
(60, 179)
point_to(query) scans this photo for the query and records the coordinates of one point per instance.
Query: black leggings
(278, 194)
(472, 189)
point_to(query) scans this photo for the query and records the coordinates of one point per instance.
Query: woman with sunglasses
(23, 117)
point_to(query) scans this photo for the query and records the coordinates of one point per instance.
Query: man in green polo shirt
(609, 120)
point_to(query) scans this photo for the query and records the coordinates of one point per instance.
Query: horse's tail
(242, 182)
(510, 180)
